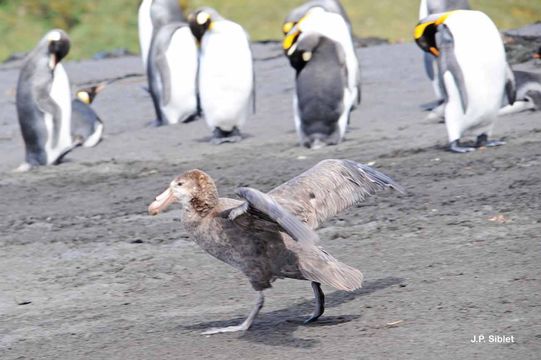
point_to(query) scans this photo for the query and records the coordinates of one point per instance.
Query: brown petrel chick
(270, 236)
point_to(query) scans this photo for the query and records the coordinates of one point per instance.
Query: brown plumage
(270, 236)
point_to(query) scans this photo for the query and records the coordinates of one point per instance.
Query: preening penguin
(226, 78)
(429, 7)
(473, 71)
(86, 125)
(44, 102)
(322, 101)
(334, 27)
(528, 87)
(295, 15)
(172, 74)
(153, 14)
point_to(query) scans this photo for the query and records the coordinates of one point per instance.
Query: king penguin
(226, 77)
(299, 12)
(334, 27)
(426, 8)
(473, 71)
(172, 74)
(153, 14)
(86, 125)
(322, 101)
(44, 102)
(528, 87)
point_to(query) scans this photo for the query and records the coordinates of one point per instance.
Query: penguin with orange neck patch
(86, 125)
(473, 72)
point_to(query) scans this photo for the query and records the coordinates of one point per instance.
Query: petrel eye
(179, 183)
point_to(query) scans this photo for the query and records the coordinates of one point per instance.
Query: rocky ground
(85, 273)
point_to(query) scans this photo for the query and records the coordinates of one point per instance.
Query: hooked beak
(162, 201)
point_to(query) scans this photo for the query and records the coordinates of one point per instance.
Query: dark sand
(85, 273)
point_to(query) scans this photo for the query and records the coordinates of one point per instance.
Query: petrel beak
(162, 201)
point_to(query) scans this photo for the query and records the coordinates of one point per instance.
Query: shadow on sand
(276, 328)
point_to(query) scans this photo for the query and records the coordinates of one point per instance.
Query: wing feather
(328, 188)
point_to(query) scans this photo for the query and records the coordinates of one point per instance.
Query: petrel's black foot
(482, 141)
(220, 136)
(457, 148)
(320, 303)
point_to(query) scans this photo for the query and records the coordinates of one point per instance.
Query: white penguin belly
(145, 29)
(225, 76)
(60, 93)
(181, 58)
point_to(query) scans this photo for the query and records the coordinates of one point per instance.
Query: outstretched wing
(328, 188)
(261, 212)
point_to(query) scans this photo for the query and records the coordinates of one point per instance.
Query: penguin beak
(287, 27)
(52, 61)
(290, 40)
(161, 202)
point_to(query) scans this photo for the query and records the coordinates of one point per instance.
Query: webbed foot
(457, 148)
(482, 141)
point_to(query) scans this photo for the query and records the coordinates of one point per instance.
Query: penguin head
(292, 29)
(303, 50)
(87, 95)
(200, 21)
(58, 46)
(425, 31)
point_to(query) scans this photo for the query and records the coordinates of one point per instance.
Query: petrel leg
(457, 148)
(482, 141)
(320, 303)
(246, 324)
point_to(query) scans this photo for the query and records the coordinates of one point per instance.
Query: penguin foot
(154, 123)
(24, 167)
(457, 148)
(220, 136)
(482, 141)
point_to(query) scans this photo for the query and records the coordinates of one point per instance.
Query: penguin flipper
(510, 85)
(449, 62)
(47, 105)
(165, 76)
(253, 92)
(429, 65)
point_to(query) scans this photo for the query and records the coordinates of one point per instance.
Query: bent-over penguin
(86, 125)
(322, 102)
(153, 14)
(429, 7)
(172, 74)
(226, 77)
(334, 27)
(299, 12)
(44, 102)
(473, 70)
